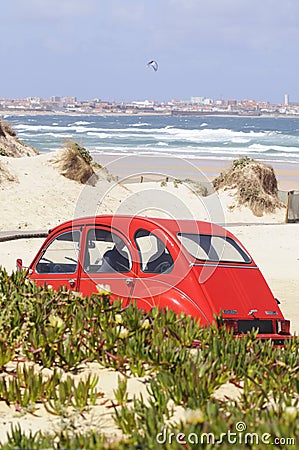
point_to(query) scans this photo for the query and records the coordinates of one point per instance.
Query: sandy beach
(197, 169)
(38, 197)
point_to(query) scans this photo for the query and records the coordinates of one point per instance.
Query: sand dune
(36, 196)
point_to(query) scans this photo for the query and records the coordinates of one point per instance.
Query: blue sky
(99, 48)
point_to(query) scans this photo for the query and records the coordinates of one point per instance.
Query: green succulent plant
(62, 331)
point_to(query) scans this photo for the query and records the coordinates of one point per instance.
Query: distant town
(194, 106)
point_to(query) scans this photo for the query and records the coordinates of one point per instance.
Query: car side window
(106, 252)
(154, 255)
(61, 255)
(213, 248)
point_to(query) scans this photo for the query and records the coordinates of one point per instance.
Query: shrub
(255, 182)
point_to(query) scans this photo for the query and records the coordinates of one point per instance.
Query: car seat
(159, 263)
(115, 261)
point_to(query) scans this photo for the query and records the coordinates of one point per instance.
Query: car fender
(181, 303)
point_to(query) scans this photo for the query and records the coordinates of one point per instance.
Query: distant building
(201, 101)
(197, 100)
(55, 99)
(286, 99)
(68, 100)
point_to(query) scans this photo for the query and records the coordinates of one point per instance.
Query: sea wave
(160, 149)
(54, 135)
(273, 148)
(101, 135)
(23, 127)
(142, 124)
(207, 133)
(210, 134)
(80, 122)
(217, 156)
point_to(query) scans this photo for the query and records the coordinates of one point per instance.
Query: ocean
(196, 137)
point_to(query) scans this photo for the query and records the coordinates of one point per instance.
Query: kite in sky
(153, 64)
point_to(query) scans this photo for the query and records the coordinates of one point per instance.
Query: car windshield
(61, 255)
(213, 248)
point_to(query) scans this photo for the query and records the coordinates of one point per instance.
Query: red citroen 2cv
(191, 267)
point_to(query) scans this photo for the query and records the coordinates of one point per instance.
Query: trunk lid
(237, 291)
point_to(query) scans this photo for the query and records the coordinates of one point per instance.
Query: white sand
(96, 418)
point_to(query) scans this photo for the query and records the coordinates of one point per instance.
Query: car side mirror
(19, 264)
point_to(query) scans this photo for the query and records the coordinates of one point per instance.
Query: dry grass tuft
(6, 128)
(255, 182)
(76, 164)
(5, 175)
(10, 145)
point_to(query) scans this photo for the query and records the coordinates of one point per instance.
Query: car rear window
(213, 248)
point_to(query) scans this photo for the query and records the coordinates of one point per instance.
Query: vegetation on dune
(6, 128)
(75, 163)
(255, 182)
(48, 337)
(199, 189)
(10, 145)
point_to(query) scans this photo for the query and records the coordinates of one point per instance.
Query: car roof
(171, 225)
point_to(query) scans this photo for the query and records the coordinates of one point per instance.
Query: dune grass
(75, 163)
(6, 128)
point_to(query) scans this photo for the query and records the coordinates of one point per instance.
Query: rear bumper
(277, 339)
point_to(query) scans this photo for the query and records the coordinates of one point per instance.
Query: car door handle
(129, 281)
(72, 282)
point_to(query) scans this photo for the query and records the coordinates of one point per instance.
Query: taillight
(231, 324)
(283, 326)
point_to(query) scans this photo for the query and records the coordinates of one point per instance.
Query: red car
(191, 267)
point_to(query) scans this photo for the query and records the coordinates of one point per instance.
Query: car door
(57, 263)
(157, 274)
(107, 263)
